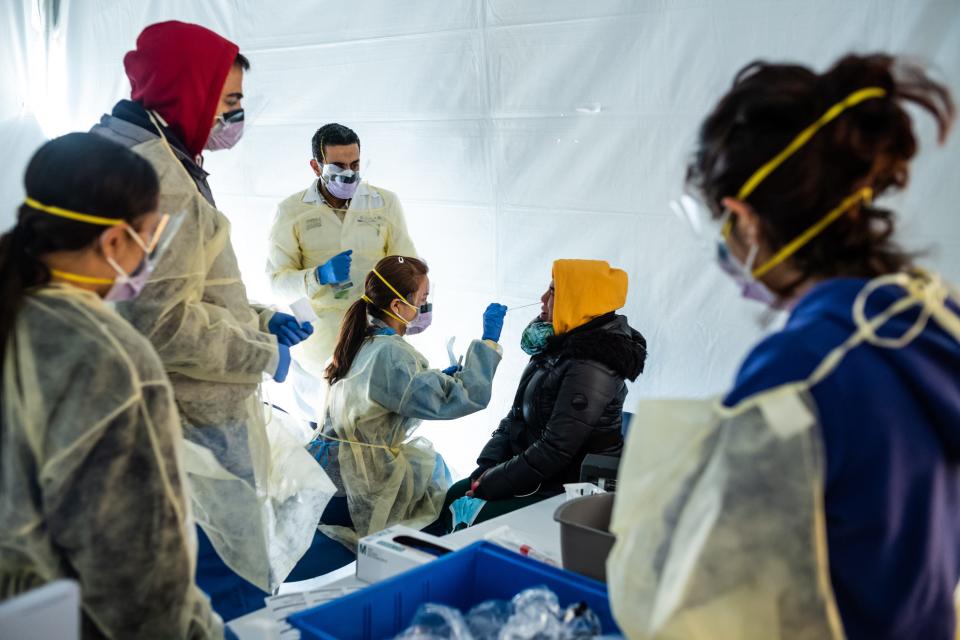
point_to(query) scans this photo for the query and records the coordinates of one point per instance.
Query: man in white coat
(324, 241)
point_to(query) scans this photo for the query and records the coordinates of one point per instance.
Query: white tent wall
(516, 133)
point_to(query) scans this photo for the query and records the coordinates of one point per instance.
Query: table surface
(534, 523)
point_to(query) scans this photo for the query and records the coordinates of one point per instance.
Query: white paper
(285, 605)
(303, 311)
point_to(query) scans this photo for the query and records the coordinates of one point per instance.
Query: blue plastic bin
(477, 573)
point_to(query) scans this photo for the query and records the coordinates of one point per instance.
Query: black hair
(332, 134)
(242, 62)
(81, 172)
(868, 145)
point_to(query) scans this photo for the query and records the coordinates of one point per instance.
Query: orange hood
(584, 290)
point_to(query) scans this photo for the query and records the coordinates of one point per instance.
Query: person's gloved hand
(452, 369)
(336, 269)
(493, 321)
(288, 331)
(284, 367)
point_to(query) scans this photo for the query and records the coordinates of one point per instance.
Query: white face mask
(341, 183)
(710, 230)
(226, 132)
(128, 286)
(742, 273)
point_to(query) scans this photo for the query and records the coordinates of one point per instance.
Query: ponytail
(19, 271)
(353, 332)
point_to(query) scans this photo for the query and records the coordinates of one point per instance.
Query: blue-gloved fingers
(290, 336)
(283, 366)
(306, 326)
(298, 332)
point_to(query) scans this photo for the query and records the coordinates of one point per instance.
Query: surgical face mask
(748, 275)
(341, 183)
(128, 287)
(535, 337)
(465, 511)
(226, 132)
(422, 322)
(750, 287)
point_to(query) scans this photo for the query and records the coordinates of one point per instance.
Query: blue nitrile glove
(493, 321)
(336, 269)
(288, 331)
(284, 367)
(452, 369)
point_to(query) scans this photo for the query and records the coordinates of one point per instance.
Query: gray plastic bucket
(585, 538)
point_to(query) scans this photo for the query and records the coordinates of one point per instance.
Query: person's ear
(110, 242)
(395, 305)
(746, 220)
(317, 169)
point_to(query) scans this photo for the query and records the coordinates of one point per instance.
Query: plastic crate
(475, 574)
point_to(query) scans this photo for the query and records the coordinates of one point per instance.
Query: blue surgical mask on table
(465, 510)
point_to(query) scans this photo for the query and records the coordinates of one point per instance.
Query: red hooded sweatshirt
(178, 70)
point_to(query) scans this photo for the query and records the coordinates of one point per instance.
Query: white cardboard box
(381, 556)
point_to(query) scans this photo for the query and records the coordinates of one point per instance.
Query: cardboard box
(394, 550)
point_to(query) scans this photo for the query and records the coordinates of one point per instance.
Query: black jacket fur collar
(609, 340)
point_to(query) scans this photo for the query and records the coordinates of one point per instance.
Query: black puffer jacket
(569, 404)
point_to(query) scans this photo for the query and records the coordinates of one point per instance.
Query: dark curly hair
(868, 145)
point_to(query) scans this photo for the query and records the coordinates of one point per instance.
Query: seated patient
(570, 399)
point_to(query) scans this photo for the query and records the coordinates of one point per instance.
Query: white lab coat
(305, 234)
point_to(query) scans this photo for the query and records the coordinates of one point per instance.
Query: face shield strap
(80, 279)
(855, 98)
(864, 194)
(74, 215)
(389, 313)
(149, 248)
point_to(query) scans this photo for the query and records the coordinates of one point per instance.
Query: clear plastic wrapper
(533, 614)
(580, 621)
(487, 619)
(437, 622)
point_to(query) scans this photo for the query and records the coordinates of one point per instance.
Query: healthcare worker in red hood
(186, 95)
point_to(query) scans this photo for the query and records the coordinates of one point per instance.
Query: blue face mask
(535, 337)
(465, 510)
